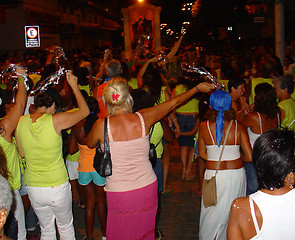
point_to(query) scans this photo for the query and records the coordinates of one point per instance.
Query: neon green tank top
(13, 165)
(162, 96)
(255, 82)
(42, 147)
(192, 106)
(86, 88)
(133, 83)
(288, 106)
(156, 138)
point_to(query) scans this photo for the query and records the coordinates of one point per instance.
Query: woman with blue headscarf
(231, 176)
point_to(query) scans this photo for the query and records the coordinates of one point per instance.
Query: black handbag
(152, 152)
(102, 162)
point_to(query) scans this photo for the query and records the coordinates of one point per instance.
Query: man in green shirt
(284, 87)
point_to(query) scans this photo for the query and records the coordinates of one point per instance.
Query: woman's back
(274, 209)
(260, 122)
(125, 127)
(129, 152)
(233, 136)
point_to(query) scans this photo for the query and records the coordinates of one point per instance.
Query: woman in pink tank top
(132, 188)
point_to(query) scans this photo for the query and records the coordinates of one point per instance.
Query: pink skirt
(132, 214)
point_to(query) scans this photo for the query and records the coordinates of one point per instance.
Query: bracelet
(198, 90)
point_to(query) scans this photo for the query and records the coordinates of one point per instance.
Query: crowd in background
(257, 96)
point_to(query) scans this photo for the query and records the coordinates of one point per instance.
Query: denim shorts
(158, 169)
(22, 190)
(85, 178)
(186, 123)
(196, 152)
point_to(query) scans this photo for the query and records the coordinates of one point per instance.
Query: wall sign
(32, 36)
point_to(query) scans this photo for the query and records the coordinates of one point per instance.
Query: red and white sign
(32, 36)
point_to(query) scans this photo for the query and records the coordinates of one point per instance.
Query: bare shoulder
(203, 125)
(241, 126)
(240, 204)
(249, 118)
(241, 213)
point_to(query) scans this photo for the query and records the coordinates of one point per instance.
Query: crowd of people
(49, 133)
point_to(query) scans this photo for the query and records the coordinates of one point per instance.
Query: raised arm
(142, 71)
(66, 120)
(107, 56)
(9, 122)
(156, 113)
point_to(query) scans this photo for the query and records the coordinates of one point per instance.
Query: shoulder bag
(152, 152)
(102, 160)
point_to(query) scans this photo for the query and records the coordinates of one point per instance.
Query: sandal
(189, 176)
(159, 234)
(81, 205)
(167, 191)
(183, 174)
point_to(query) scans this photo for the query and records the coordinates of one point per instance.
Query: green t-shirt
(288, 106)
(42, 148)
(192, 106)
(86, 88)
(133, 83)
(156, 138)
(13, 164)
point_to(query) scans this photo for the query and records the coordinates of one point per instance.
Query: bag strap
(106, 137)
(226, 135)
(150, 135)
(291, 123)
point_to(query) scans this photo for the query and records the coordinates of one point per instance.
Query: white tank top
(230, 152)
(253, 136)
(278, 215)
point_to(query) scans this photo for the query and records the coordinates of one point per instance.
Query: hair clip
(115, 97)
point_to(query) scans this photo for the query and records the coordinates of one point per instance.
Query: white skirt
(230, 184)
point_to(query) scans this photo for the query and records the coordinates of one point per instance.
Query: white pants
(19, 214)
(50, 204)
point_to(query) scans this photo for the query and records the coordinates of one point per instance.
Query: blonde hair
(116, 96)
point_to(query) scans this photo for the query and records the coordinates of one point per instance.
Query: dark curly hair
(265, 100)
(273, 157)
(92, 117)
(211, 115)
(153, 81)
(43, 100)
(142, 99)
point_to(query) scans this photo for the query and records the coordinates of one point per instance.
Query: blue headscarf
(220, 101)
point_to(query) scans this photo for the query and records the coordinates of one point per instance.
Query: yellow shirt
(42, 148)
(192, 106)
(288, 105)
(13, 164)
